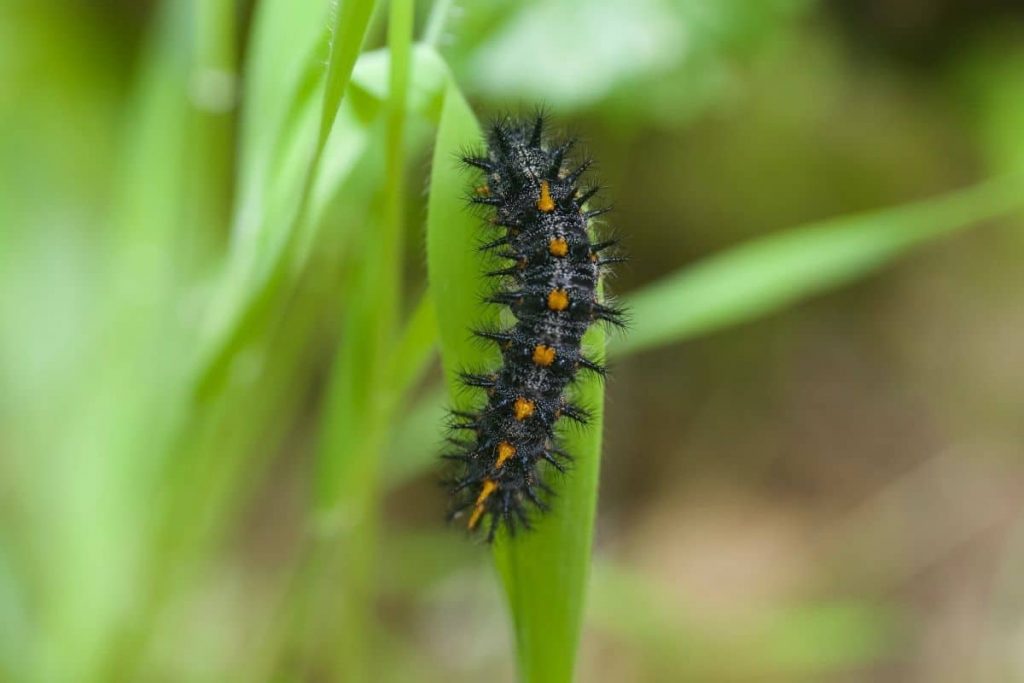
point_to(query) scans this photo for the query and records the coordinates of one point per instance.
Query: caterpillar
(550, 286)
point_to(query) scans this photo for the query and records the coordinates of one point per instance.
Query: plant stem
(436, 22)
(362, 402)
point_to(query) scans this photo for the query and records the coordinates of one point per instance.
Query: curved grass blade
(544, 572)
(453, 264)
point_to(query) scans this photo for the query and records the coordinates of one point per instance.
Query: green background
(236, 268)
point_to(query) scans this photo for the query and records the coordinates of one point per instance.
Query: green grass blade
(418, 426)
(416, 346)
(436, 22)
(412, 349)
(355, 434)
(352, 438)
(544, 572)
(284, 66)
(766, 275)
(351, 22)
(453, 264)
(372, 318)
(257, 276)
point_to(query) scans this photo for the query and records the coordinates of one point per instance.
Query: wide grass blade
(453, 233)
(544, 572)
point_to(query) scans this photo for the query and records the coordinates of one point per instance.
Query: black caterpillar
(551, 288)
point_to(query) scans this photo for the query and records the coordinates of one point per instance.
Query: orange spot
(505, 451)
(558, 247)
(483, 190)
(545, 203)
(558, 300)
(523, 408)
(543, 355)
(478, 508)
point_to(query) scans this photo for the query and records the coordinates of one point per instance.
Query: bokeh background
(833, 492)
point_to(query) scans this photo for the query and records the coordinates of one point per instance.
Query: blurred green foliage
(218, 345)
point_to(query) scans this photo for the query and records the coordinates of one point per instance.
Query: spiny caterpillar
(551, 289)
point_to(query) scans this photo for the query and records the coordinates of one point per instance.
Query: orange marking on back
(545, 204)
(558, 247)
(478, 508)
(523, 408)
(543, 355)
(558, 300)
(505, 451)
(483, 191)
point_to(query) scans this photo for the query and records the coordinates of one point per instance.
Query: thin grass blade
(769, 274)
